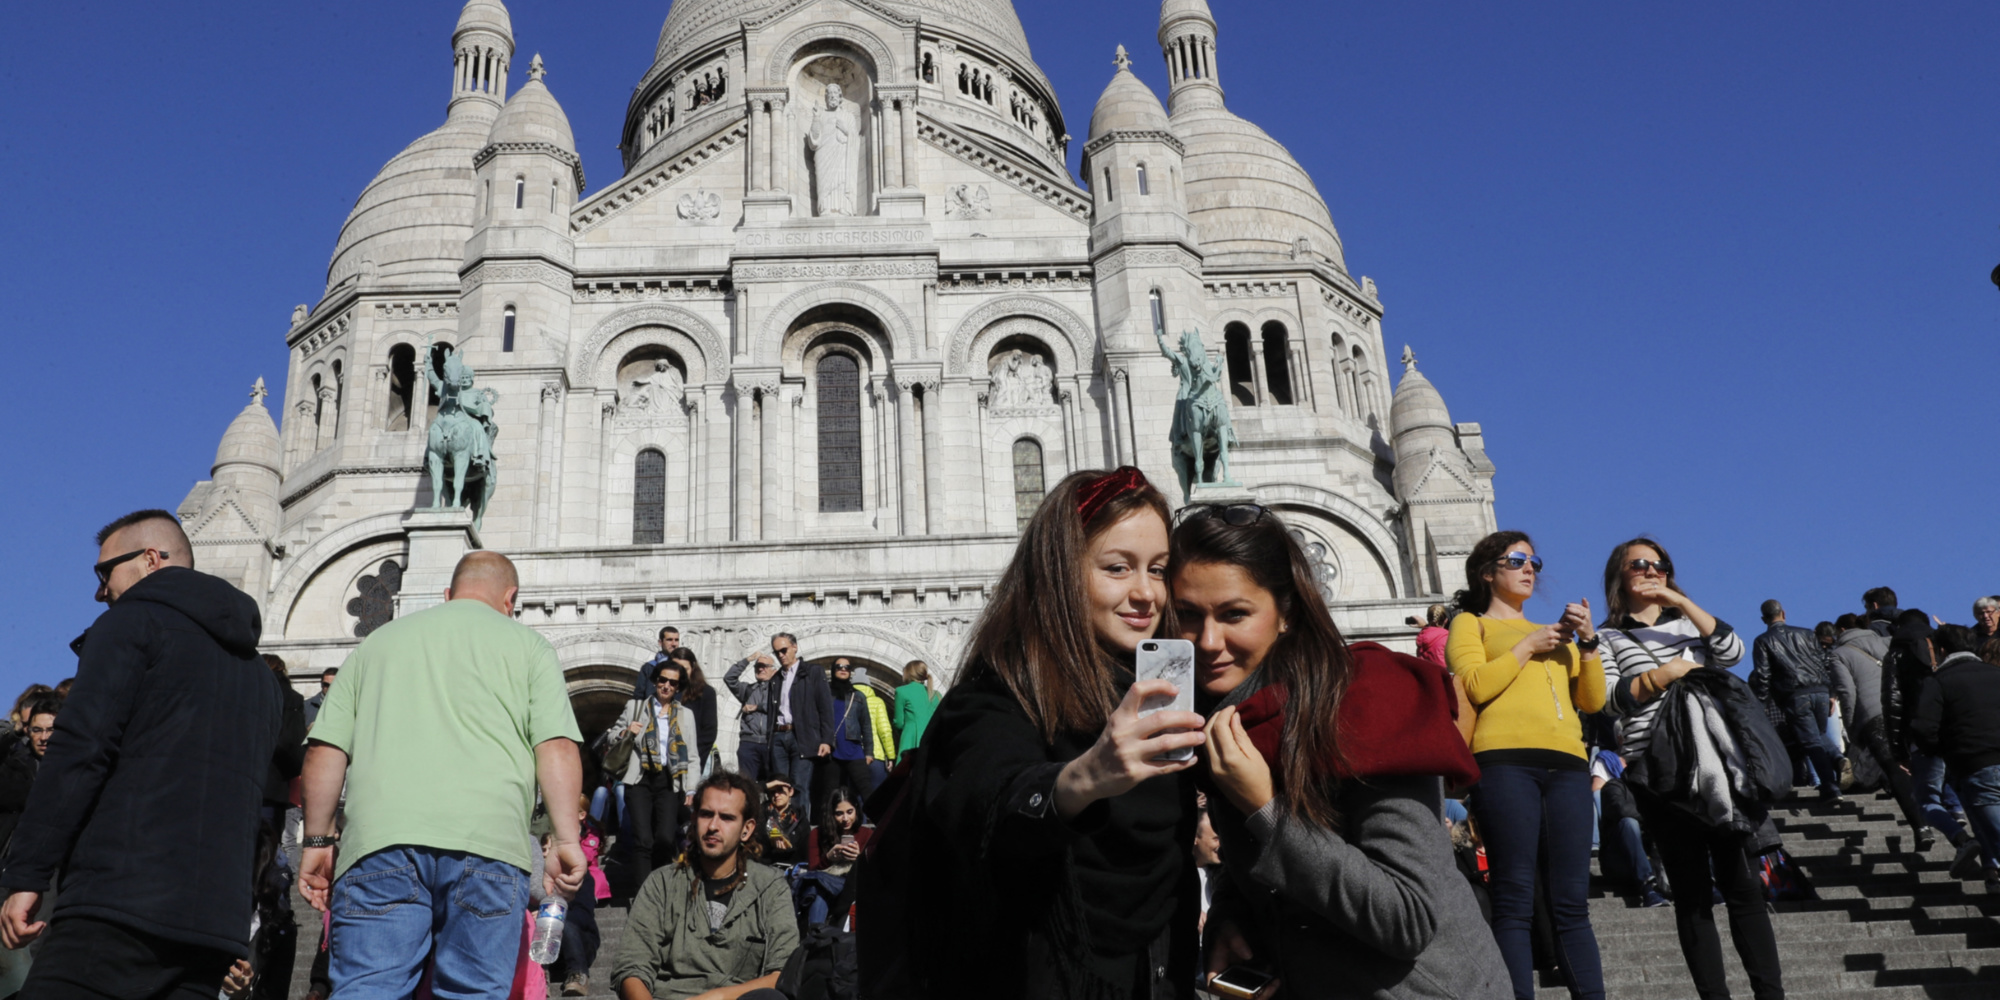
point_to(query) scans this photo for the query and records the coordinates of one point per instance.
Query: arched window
(1278, 363)
(1028, 480)
(555, 194)
(930, 69)
(402, 383)
(1361, 406)
(837, 383)
(1110, 194)
(486, 206)
(1144, 189)
(520, 191)
(1159, 313)
(507, 330)
(1236, 351)
(649, 498)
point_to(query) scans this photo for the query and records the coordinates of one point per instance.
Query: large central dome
(693, 23)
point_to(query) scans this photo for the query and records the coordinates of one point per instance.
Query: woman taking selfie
(1326, 760)
(1654, 635)
(1061, 864)
(1530, 684)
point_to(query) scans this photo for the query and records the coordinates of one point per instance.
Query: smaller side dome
(532, 115)
(1418, 404)
(490, 15)
(1127, 104)
(252, 438)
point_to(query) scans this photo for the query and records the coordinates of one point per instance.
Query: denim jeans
(1539, 819)
(1700, 861)
(757, 761)
(1624, 858)
(814, 892)
(401, 905)
(580, 934)
(1980, 792)
(1807, 716)
(1927, 773)
(786, 759)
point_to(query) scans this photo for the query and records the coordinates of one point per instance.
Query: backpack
(1783, 881)
(823, 968)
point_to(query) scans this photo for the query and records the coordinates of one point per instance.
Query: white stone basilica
(811, 360)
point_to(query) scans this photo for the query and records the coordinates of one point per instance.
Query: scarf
(1396, 720)
(676, 753)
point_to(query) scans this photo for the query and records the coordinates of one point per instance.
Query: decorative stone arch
(1256, 318)
(587, 364)
(833, 639)
(814, 338)
(778, 322)
(576, 649)
(603, 371)
(881, 59)
(320, 554)
(978, 330)
(1380, 541)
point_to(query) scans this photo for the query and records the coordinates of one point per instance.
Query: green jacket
(667, 944)
(884, 737)
(914, 705)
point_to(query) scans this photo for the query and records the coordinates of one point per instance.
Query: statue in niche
(658, 392)
(463, 433)
(1201, 434)
(1023, 380)
(833, 139)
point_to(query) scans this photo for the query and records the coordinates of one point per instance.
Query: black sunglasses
(1665, 567)
(1236, 515)
(103, 569)
(1515, 560)
(668, 681)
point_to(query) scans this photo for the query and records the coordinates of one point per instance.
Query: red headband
(1093, 496)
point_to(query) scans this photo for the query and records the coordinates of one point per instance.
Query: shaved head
(485, 576)
(149, 529)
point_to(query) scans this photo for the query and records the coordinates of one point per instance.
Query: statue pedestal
(1215, 493)
(438, 540)
(766, 208)
(905, 204)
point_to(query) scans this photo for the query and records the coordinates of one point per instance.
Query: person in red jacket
(1328, 764)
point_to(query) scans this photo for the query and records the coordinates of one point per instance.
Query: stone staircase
(1889, 923)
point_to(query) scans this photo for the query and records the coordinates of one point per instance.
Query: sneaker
(577, 985)
(1967, 864)
(1926, 841)
(1652, 899)
(1830, 793)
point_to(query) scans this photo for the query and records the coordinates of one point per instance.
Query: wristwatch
(1589, 645)
(327, 841)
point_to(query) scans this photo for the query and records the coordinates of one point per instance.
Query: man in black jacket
(1958, 718)
(802, 730)
(146, 805)
(22, 760)
(1793, 672)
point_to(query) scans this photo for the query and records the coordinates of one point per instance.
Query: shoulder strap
(1643, 648)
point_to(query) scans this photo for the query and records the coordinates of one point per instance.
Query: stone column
(744, 482)
(780, 146)
(760, 146)
(909, 462)
(770, 414)
(716, 459)
(1121, 418)
(910, 140)
(548, 467)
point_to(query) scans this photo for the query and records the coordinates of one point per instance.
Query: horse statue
(462, 432)
(1201, 433)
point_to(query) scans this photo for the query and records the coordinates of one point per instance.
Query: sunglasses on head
(1236, 515)
(1665, 567)
(1515, 560)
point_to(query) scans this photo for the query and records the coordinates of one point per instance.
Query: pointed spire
(1409, 359)
(1121, 60)
(535, 70)
(258, 392)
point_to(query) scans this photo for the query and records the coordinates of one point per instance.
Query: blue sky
(1711, 271)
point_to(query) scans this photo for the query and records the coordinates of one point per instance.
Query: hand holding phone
(1170, 660)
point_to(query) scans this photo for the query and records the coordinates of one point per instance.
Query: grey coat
(1379, 910)
(1858, 655)
(638, 710)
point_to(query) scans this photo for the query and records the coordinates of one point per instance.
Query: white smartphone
(1170, 660)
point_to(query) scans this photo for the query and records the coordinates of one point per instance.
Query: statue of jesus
(833, 138)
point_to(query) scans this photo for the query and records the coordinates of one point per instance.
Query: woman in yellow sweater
(1530, 684)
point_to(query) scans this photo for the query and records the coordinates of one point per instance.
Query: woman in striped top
(1654, 634)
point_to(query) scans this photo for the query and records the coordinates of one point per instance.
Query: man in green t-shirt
(440, 727)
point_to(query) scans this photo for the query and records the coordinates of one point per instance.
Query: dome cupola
(252, 438)
(1127, 104)
(533, 121)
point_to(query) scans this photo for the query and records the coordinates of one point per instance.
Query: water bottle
(548, 932)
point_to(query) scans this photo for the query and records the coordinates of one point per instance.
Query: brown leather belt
(783, 729)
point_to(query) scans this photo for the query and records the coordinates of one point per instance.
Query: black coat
(147, 800)
(290, 757)
(18, 765)
(1015, 896)
(1958, 714)
(1904, 671)
(812, 707)
(1667, 767)
(1789, 659)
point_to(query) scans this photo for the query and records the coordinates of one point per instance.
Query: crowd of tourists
(1316, 817)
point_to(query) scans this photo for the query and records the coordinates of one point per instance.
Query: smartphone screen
(1170, 660)
(1240, 981)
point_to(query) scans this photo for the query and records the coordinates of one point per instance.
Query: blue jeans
(1539, 819)
(814, 892)
(1807, 716)
(399, 906)
(757, 761)
(786, 759)
(1980, 792)
(1927, 773)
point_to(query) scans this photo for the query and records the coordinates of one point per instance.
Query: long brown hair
(1035, 633)
(1478, 593)
(1309, 658)
(693, 685)
(1614, 577)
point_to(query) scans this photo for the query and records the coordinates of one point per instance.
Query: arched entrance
(597, 694)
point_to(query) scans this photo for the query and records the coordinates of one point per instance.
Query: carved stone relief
(699, 205)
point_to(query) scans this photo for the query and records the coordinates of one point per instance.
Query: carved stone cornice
(1134, 135)
(537, 271)
(636, 187)
(830, 270)
(549, 149)
(1063, 197)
